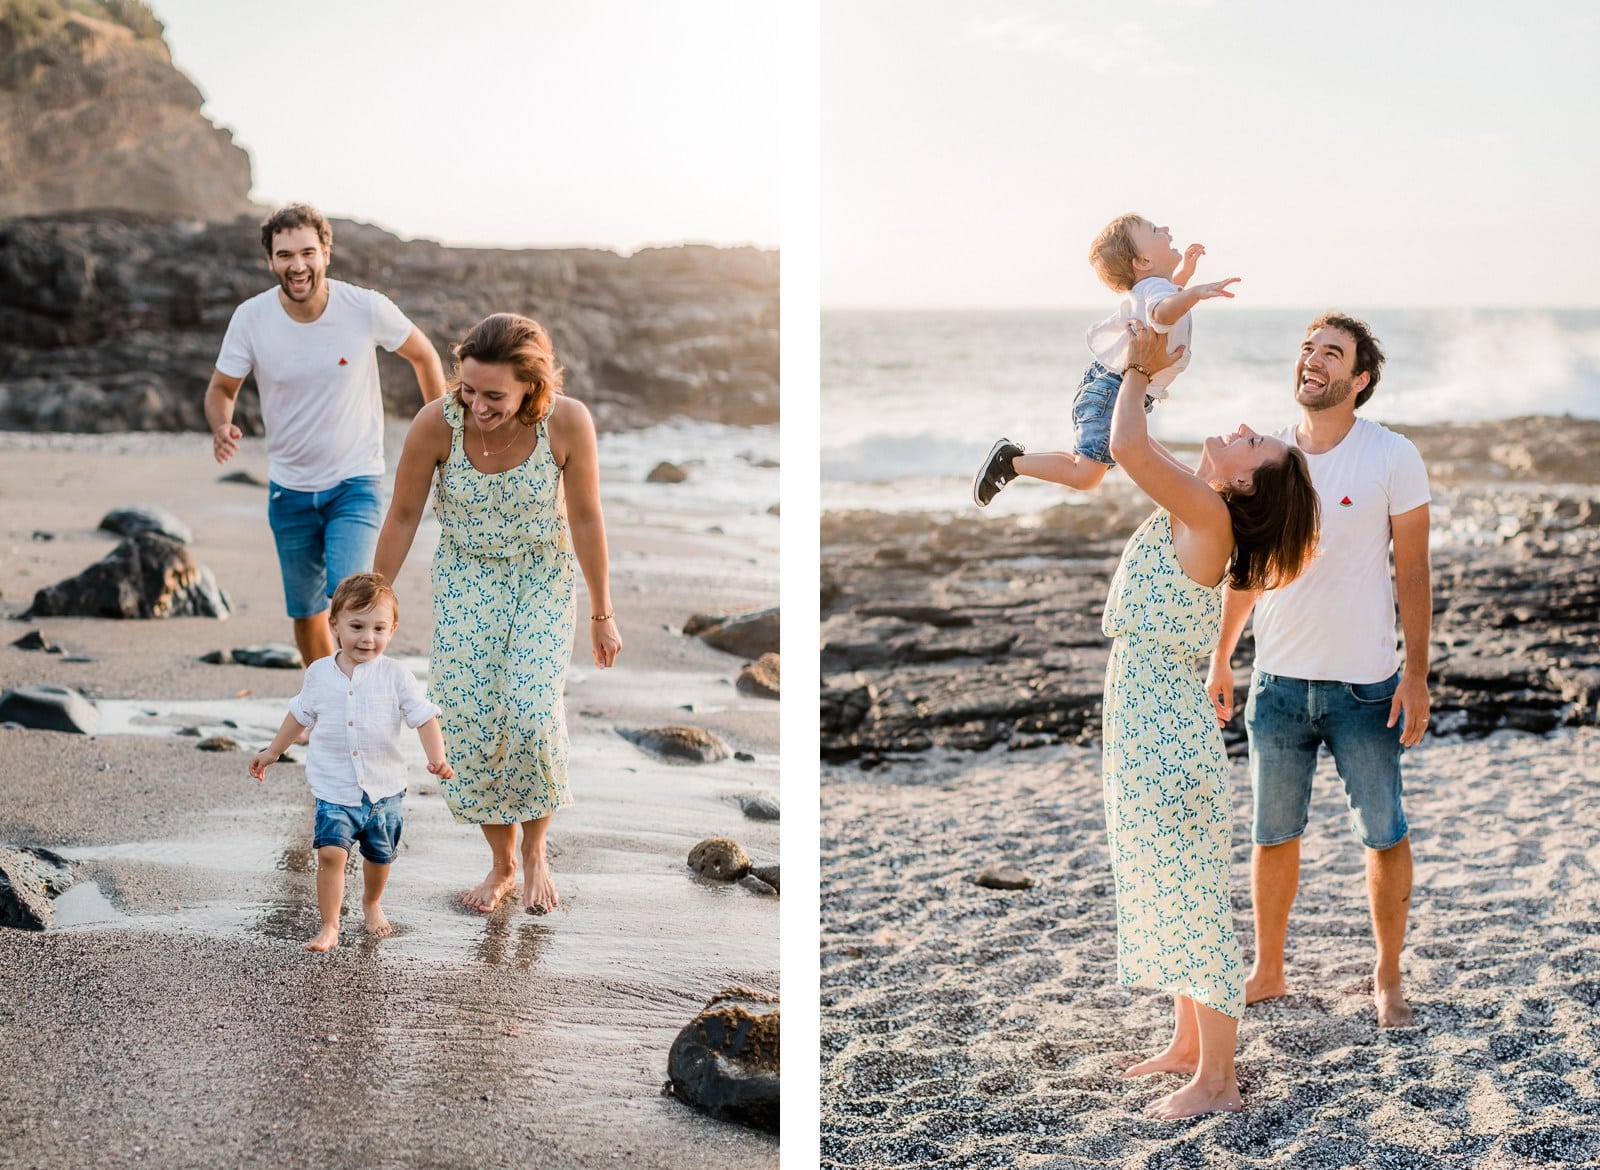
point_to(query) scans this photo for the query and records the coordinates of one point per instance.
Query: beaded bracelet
(602, 617)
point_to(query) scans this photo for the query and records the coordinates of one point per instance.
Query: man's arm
(1237, 605)
(221, 394)
(424, 359)
(1413, 581)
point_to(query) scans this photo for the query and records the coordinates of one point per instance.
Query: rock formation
(94, 114)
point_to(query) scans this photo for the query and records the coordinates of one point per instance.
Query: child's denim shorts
(375, 826)
(1091, 413)
(1288, 718)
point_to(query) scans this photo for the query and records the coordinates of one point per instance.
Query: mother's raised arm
(427, 446)
(1174, 487)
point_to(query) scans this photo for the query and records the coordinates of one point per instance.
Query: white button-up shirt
(355, 727)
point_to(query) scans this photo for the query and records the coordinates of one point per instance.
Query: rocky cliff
(111, 321)
(94, 114)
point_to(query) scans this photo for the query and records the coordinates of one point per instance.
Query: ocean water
(912, 400)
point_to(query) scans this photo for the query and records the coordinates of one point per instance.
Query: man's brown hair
(296, 215)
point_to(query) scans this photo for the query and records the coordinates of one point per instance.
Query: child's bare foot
(1173, 1060)
(1393, 1010)
(1264, 985)
(327, 938)
(377, 924)
(538, 885)
(487, 894)
(1193, 1100)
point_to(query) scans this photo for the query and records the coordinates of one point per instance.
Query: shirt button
(355, 753)
(352, 723)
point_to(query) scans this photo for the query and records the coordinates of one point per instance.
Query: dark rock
(217, 657)
(1004, 877)
(277, 655)
(759, 679)
(744, 757)
(666, 473)
(35, 640)
(679, 742)
(721, 858)
(49, 708)
(979, 631)
(43, 536)
(749, 635)
(725, 1061)
(145, 576)
(249, 478)
(144, 518)
(217, 743)
(29, 879)
(759, 808)
(766, 873)
(97, 336)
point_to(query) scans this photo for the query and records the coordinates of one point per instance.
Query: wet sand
(968, 1027)
(171, 1018)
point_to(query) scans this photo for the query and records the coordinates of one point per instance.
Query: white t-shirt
(1336, 621)
(320, 400)
(1108, 339)
(355, 725)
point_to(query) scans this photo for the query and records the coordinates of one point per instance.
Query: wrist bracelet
(602, 617)
(1135, 368)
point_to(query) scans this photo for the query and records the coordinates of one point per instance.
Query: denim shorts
(376, 826)
(1288, 719)
(323, 537)
(1091, 413)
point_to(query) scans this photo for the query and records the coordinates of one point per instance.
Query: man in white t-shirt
(1326, 658)
(311, 344)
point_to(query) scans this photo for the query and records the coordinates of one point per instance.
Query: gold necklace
(484, 436)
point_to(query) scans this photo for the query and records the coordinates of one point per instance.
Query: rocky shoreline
(970, 631)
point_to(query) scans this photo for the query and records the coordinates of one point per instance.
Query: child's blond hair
(1112, 254)
(362, 591)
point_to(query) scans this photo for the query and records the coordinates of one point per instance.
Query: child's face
(1155, 246)
(364, 633)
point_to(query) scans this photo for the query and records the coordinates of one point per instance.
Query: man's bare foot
(1193, 1100)
(327, 938)
(1393, 1010)
(1173, 1060)
(377, 923)
(1264, 985)
(485, 897)
(538, 886)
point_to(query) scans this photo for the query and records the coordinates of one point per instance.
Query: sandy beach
(970, 1027)
(170, 1016)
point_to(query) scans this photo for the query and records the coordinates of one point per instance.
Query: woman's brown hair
(509, 339)
(1274, 527)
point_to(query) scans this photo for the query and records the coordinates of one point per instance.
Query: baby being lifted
(1136, 258)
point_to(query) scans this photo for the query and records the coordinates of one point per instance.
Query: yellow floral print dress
(1166, 779)
(503, 611)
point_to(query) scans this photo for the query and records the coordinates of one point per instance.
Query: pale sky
(616, 123)
(1372, 153)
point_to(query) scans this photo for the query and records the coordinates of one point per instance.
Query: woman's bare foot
(538, 885)
(485, 897)
(1173, 1060)
(1393, 1010)
(327, 938)
(1264, 985)
(377, 922)
(1193, 1100)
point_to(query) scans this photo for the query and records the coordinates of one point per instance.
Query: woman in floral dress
(515, 475)
(1246, 516)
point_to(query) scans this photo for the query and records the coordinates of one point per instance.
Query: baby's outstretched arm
(268, 755)
(1166, 313)
(433, 743)
(1191, 256)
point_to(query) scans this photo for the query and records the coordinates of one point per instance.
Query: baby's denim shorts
(1091, 413)
(376, 826)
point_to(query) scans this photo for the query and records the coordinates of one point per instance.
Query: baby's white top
(355, 727)
(1108, 339)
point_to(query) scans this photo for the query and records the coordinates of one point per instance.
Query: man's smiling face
(1324, 376)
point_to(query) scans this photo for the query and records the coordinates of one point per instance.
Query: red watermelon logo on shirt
(342, 362)
(1344, 503)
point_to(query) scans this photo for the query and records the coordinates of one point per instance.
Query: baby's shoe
(996, 471)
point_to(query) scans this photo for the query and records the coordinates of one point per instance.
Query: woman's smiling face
(491, 392)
